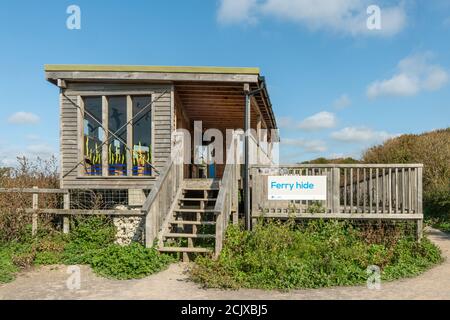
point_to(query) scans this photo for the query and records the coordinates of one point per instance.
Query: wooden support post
(35, 205)
(129, 138)
(219, 233)
(258, 138)
(419, 203)
(336, 190)
(247, 123)
(66, 220)
(105, 147)
(419, 230)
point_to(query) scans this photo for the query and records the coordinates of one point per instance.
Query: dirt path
(50, 283)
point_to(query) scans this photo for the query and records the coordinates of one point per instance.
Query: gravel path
(50, 283)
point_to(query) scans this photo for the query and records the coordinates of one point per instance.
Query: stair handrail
(157, 205)
(227, 198)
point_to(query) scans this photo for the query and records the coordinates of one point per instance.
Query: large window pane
(117, 151)
(93, 135)
(142, 136)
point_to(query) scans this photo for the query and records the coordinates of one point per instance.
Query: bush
(433, 150)
(88, 237)
(318, 254)
(91, 241)
(14, 222)
(130, 262)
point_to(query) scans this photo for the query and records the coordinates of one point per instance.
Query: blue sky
(336, 86)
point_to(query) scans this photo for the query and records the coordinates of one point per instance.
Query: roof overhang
(171, 74)
(150, 73)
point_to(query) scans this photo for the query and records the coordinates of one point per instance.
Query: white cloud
(41, 150)
(343, 16)
(236, 11)
(321, 120)
(414, 74)
(22, 117)
(286, 123)
(336, 156)
(312, 146)
(9, 153)
(342, 102)
(361, 134)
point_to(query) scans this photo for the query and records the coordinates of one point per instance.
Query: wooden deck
(354, 191)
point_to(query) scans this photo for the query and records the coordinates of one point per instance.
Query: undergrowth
(318, 254)
(91, 241)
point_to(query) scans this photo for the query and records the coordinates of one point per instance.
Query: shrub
(91, 241)
(129, 262)
(433, 150)
(14, 222)
(317, 254)
(88, 237)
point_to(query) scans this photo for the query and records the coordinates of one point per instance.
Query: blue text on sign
(292, 186)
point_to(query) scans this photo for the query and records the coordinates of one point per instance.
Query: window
(93, 135)
(126, 145)
(142, 136)
(117, 125)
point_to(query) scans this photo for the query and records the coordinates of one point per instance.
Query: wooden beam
(73, 212)
(356, 165)
(32, 190)
(164, 76)
(354, 216)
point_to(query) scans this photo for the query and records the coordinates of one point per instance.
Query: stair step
(194, 210)
(189, 235)
(185, 249)
(198, 199)
(200, 188)
(197, 223)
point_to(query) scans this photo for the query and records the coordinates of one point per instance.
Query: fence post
(66, 221)
(336, 190)
(235, 188)
(419, 203)
(34, 217)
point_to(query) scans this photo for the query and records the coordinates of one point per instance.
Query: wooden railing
(359, 191)
(227, 199)
(46, 201)
(159, 202)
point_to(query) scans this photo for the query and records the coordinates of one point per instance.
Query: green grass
(442, 225)
(319, 254)
(7, 267)
(91, 241)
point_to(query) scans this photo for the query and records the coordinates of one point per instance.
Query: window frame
(129, 139)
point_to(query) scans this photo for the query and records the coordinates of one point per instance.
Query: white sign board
(297, 187)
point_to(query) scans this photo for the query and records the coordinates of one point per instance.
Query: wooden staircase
(191, 226)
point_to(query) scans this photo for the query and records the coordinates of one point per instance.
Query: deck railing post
(336, 190)
(419, 203)
(34, 217)
(66, 220)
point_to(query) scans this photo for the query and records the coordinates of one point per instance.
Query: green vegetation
(430, 148)
(433, 150)
(130, 262)
(323, 160)
(91, 241)
(318, 254)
